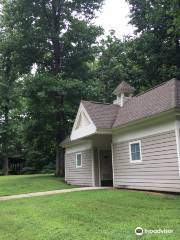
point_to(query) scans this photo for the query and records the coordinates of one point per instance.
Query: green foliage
(157, 48)
(115, 64)
(10, 100)
(43, 98)
(147, 59)
(58, 37)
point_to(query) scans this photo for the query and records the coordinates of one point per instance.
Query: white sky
(114, 15)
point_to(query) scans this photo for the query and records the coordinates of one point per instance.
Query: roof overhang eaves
(171, 113)
(74, 142)
(104, 131)
(99, 131)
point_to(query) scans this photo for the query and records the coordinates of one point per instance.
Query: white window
(135, 151)
(78, 160)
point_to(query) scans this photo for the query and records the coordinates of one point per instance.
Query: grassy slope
(94, 215)
(30, 183)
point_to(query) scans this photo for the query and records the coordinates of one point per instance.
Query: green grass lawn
(30, 183)
(89, 215)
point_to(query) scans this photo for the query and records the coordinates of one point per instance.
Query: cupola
(123, 93)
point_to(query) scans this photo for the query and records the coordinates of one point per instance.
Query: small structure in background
(16, 165)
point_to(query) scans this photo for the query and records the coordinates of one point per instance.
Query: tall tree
(9, 102)
(115, 64)
(149, 57)
(157, 48)
(12, 66)
(57, 36)
(43, 114)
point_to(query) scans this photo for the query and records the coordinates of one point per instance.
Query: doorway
(105, 165)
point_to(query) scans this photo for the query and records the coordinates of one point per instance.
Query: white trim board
(93, 169)
(112, 153)
(144, 132)
(130, 153)
(80, 147)
(99, 163)
(79, 166)
(177, 131)
(84, 130)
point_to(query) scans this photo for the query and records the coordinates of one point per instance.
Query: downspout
(112, 163)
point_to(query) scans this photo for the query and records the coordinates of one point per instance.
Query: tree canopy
(51, 58)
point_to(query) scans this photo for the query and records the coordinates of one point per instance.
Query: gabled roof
(157, 100)
(123, 87)
(102, 115)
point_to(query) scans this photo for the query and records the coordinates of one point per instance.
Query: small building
(133, 143)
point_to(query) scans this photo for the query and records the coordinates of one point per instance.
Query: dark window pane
(137, 147)
(135, 151)
(133, 148)
(79, 160)
(136, 156)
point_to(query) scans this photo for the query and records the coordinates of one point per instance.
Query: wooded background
(50, 59)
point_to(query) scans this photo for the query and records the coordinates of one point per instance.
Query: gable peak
(123, 87)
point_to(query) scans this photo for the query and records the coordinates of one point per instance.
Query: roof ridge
(167, 97)
(157, 86)
(97, 102)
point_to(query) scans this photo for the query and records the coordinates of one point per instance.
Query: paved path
(37, 194)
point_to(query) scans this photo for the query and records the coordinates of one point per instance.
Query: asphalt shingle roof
(102, 115)
(157, 100)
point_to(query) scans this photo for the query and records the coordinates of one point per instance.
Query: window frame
(78, 166)
(130, 153)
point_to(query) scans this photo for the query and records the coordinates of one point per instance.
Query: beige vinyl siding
(79, 176)
(159, 169)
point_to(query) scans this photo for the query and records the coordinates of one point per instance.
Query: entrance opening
(102, 160)
(106, 172)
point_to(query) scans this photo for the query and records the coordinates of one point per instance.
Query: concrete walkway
(37, 194)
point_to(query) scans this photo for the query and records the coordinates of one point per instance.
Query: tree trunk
(60, 134)
(60, 158)
(57, 56)
(5, 140)
(60, 168)
(5, 169)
